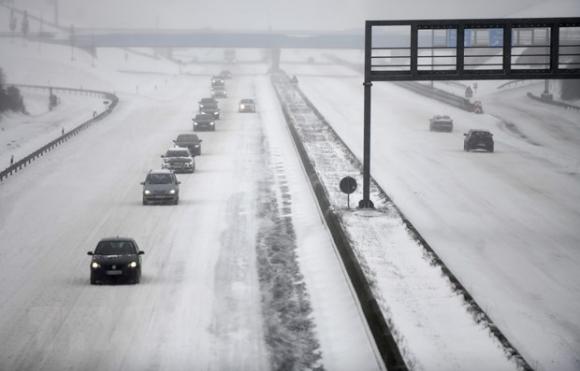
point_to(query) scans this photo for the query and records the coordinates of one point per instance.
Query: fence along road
(111, 99)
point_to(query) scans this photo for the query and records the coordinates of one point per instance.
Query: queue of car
(119, 258)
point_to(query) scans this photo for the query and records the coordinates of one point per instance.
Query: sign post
(396, 51)
(348, 185)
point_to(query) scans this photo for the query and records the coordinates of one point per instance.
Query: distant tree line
(10, 97)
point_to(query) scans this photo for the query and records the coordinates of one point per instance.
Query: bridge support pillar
(275, 54)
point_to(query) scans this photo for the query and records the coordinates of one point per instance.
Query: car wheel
(93, 281)
(176, 201)
(145, 202)
(490, 149)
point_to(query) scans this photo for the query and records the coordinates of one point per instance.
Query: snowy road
(505, 223)
(199, 303)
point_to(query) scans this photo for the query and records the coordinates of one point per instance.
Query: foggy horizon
(276, 15)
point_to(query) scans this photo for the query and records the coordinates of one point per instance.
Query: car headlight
(95, 265)
(147, 192)
(194, 123)
(172, 192)
(133, 265)
(216, 113)
(197, 146)
(242, 106)
(201, 106)
(212, 123)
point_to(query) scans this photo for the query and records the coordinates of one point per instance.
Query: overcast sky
(280, 14)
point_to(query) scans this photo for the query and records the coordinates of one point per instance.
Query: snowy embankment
(506, 223)
(415, 298)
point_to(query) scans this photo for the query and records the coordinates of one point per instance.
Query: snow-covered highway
(200, 302)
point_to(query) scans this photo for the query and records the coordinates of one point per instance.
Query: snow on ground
(505, 223)
(22, 134)
(199, 304)
(415, 298)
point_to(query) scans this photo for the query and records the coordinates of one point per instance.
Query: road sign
(348, 185)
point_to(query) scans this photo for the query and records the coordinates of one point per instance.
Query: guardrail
(553, 102)
(514, 83)
(112, 103)
(438, 94)
(428, 91)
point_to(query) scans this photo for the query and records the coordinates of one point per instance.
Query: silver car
(178, 159)
(161, 186)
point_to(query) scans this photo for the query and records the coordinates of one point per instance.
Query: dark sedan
(478, 139)
(204, 121)
(116, 259)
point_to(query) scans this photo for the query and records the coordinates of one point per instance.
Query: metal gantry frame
(510, 49)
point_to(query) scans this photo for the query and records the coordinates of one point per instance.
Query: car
(441, 123)
(217, 81)
(219, 92)
(161, 186)
(208, 100)
(204, 121)
(225, 75)
(247, 105)
(478, 139)
(189, 141)
(178, 159)
(115, 259)
(212, 109)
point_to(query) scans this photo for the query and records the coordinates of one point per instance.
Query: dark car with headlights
(441, 123)
(211, 109)
(204, 121)
(207, 100)
(179, 160)
(219, 92)
(247, 105)
(217, 81)
(161, 186)
(116, 259)
(189, 141)
(478, 139)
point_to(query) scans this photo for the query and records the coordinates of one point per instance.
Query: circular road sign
(348, 185)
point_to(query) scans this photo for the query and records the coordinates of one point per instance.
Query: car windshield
(481, 134)
(187, 138)
(210, 105)
(115, 248)
(159, 179)
(177, 154)
(247, 101)
(203, 118)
